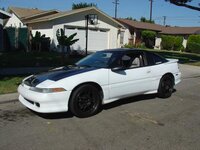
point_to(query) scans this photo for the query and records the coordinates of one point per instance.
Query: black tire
(166, 87)
(85, 101)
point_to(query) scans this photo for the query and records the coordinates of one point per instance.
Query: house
(19, 15)
(132, 34)
(3, 15)
(103, 31)
(133, 31)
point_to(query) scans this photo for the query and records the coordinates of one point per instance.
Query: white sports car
(99, 78)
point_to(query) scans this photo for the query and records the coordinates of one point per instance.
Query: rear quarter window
(155, 59)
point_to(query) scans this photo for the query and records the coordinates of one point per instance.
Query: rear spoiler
(172, 60)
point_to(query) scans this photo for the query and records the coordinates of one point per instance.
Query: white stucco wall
(14, 21)
(184, 43)
(158, 43)
(78, 20)
(127, 36)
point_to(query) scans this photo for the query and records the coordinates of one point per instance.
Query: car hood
(56, 74)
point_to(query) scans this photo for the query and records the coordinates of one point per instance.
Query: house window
(20, 25)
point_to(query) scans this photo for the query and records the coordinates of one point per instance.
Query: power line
(116, 2)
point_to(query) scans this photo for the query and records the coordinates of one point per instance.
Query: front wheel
(85, 101)
(166, 87)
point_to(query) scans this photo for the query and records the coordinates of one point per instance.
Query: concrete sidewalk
(6, 98)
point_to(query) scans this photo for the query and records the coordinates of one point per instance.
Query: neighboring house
(103, 30)
(19, 15)
(132, 33)
(3, 15)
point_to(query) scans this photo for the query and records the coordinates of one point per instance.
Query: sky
(175, 15)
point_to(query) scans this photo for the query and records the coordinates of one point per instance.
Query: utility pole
(116, 2)
(151, 4)
(86, 35)
(164, 21)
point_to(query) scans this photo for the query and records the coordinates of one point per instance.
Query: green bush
(172, 42)
(148, 37)
(128, 46)
(178, 43)
(193, 44)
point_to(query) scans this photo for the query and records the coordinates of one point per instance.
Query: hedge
(172, 42)
(148, 37)
(193, 44)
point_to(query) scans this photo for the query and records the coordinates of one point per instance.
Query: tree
(143, 19)
(184, 3)
(83, 5)
(148, 37)
(2, 8)
(65, 41)
(130, 18)
(36, 41)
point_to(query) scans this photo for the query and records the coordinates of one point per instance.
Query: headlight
(47, 90)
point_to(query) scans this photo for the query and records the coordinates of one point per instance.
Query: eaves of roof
(37, 15)
(68, 13)
(5, 14)
(140, 25)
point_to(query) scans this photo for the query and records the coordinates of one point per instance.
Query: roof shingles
(161, 29)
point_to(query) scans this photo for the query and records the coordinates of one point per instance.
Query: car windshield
(99, 59)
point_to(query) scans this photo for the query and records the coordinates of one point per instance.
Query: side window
(154, 59)
(133, 60)
(157, 59)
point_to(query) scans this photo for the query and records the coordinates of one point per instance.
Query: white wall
(158, 43)
(127, 36)
(14, 21)
(184, 43)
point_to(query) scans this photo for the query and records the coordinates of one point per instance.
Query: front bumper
(44, 102)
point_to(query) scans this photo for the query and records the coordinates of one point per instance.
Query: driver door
(134, 79)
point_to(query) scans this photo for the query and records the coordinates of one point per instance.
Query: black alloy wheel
(85, 101)
(166, 87)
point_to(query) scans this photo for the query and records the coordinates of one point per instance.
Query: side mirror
(118, 69)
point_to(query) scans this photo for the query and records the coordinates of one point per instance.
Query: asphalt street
(142, 122)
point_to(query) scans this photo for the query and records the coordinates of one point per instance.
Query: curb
(7, 98)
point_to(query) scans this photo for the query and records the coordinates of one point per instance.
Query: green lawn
(9, 84)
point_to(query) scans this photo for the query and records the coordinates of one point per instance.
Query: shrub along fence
(172, 42)
(193, 44)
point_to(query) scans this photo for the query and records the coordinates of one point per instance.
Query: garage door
(97, 39)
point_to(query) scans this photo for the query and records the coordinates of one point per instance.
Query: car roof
(124, 50)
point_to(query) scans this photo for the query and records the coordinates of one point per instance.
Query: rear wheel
(166, 87)
(85, 101)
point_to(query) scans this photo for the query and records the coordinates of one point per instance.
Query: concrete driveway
(142, 122)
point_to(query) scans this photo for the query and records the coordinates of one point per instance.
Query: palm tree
(65, 41)
(36, 40)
